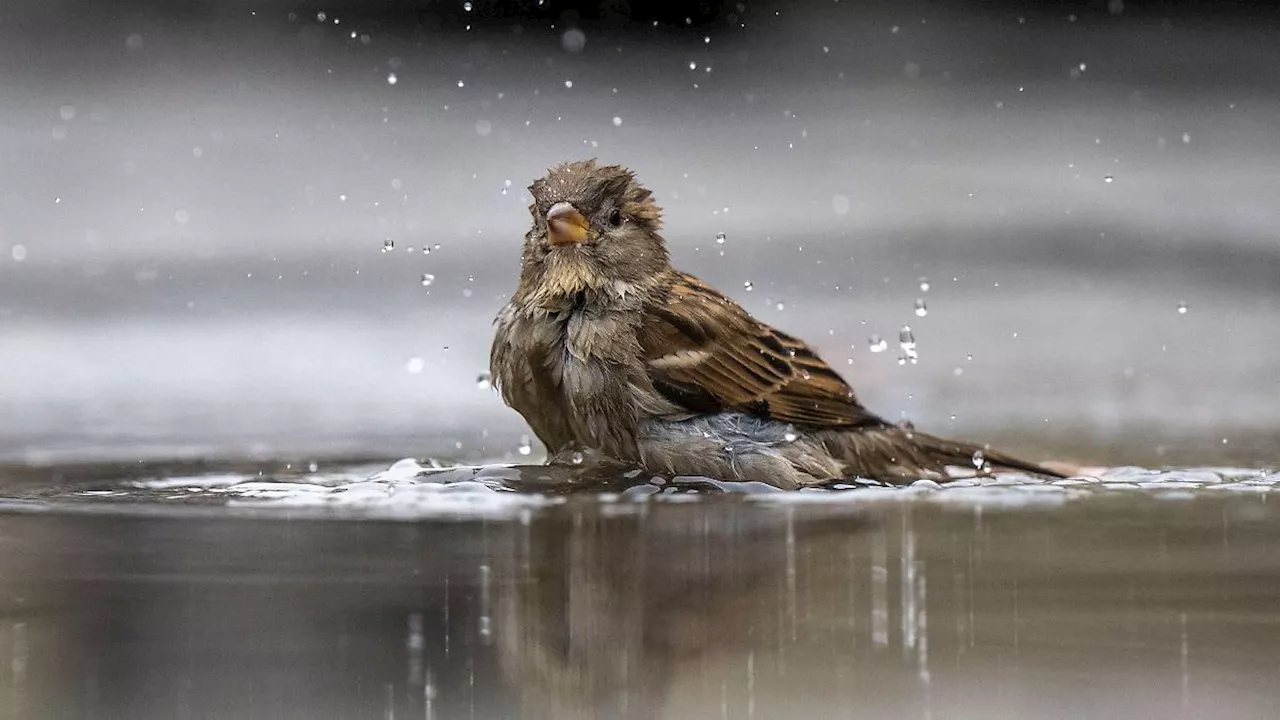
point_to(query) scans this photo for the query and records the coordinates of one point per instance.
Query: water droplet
(877, 344)
(466, 6)
(720, 238)
(924, 284)
(483, 128)
(524, 448)
(391, 78)
(1186, 138)
(576, 458)
(790, 435)
(748, 286)
(388, 245)
(1108, 179)
(921, 309)
(181, 216)
(907, 341)
(1182, 308)
(573, 40)
(780, 305)
(427, 279)
(67, 112)
(461, 84)
(321, 17)
(18, 253)
(415, 365)
(617, 121)
(979, 459)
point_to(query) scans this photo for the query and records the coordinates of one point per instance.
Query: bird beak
(565, 225)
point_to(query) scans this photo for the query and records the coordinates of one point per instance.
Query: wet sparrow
(604, 347)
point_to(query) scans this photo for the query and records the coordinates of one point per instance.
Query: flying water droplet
(877, 344)
(617, 121)
(907, 341)
(576, 458)
(924, 284)
(1182, 308)
(415, 365)
(466, 6)
(921, 309)
(573, 40)
(748, 286)
(980, 461)
(392, 79)
(483, 381)
(1108, 179)
(780, 305)
(427, 279)
(524, 448)
(388, 245)
(790, 435)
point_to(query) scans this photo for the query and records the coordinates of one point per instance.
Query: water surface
(372, 591)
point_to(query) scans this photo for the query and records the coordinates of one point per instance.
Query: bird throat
(567, 278)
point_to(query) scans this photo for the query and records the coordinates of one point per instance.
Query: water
(398, 590)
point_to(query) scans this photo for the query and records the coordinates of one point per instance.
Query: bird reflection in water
(606, 613)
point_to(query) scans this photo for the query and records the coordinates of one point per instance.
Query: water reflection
(1119, 605)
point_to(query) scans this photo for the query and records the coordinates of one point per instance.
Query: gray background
(180, 273)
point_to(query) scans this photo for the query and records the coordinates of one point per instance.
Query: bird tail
(982, 459)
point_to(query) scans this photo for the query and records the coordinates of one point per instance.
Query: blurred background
(283, 228)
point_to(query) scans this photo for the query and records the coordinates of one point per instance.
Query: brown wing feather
(707, 354)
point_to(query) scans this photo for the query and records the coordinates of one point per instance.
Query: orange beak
(565, 225)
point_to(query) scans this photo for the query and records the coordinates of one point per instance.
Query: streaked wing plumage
(707, 354)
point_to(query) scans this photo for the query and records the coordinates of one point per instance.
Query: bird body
(605, 347)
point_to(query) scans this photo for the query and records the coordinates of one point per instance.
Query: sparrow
(607, 349)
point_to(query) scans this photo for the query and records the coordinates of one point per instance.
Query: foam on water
(409, 489)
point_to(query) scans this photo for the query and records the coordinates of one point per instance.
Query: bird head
(593, 227)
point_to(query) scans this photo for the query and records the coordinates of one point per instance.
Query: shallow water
(498, 591)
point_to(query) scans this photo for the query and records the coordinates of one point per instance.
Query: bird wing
(706, 354)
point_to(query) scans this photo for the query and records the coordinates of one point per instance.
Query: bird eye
(615, 218)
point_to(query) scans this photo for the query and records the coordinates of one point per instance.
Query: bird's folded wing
(705, 353)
